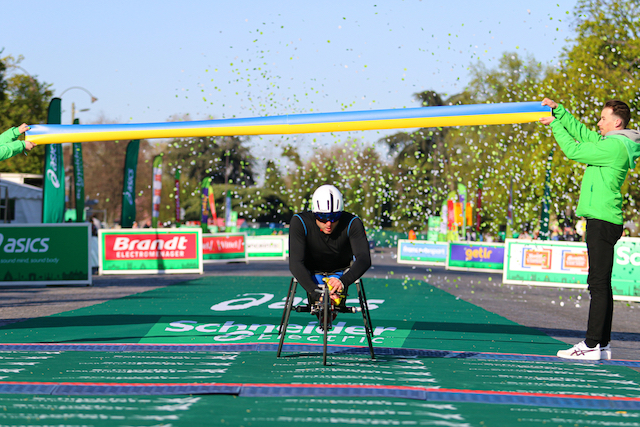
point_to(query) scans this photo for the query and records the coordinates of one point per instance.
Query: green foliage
(23, 99)
(223, 159)
(358, 172)
(103, 177)
(602, 64)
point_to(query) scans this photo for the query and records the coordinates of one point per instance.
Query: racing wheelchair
(326, 310)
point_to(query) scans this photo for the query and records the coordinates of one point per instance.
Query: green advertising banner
(267, 247)
(129, 185)
(422, 252)
(625, 279)
(50, 254)
(53, 188)
(566, 264)
(148, 251)
(78, 178)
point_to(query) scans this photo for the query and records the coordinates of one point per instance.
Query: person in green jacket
(608, 156)
(10, 145)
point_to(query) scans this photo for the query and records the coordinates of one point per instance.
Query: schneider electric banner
(625, 279)
(475, 256)
(49, 254)
(225, 247)
(566, 264)
(150, 250)
(422, 252)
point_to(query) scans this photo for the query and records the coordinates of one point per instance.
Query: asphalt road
(558, 312)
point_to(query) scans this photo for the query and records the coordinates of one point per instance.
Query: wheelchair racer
(327, 245)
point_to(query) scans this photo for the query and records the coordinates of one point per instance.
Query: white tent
(27, 201)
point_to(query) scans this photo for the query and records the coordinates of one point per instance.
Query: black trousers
(601, 239)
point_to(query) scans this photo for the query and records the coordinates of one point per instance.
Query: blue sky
(148, 61)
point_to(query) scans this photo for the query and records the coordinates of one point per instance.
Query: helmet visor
(328, 217)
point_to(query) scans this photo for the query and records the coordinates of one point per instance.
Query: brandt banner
(148, 251)
(45, 254)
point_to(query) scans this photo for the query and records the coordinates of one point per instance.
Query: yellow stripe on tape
(171, 132)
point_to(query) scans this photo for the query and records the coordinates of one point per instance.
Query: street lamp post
(93, 98)
(76, 160)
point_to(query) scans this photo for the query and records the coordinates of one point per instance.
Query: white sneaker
(580, 351)
(605, 352)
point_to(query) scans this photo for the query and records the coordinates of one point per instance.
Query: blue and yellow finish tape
(455, 115)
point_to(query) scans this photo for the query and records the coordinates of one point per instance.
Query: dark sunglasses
(328, 217)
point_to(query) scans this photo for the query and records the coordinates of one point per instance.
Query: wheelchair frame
(364, 308)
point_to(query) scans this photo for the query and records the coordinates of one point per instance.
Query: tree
(226, 160)
(363, 179)
(104, 177)
(422, 162)
(603, 63)
(23, 99)
(505, 156)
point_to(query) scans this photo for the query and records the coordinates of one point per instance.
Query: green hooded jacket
(9, 143)
(608, 159)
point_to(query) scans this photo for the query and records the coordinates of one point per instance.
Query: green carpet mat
(244, 310)
(190, 411)
(454, 385)
(264, 368)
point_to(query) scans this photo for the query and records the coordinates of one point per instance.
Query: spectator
(608, 156)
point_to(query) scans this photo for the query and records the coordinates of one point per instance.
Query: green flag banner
(462, 198)
(78, 177)
(53, 191)
(177, 198)
(546, 199)
(157, 190)
(129, 185)
(479, 208)
(205, 208)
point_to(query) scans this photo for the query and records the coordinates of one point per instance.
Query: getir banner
(150, 250)
(225, 247)
(566, 264)
(422, 252)
(49, 254)
(475, 256)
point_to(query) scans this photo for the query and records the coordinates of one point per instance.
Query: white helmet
(327, 199)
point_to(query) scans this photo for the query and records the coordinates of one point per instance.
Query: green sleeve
(9, 135)
(11, 149)
(597, 153)
(576, 129)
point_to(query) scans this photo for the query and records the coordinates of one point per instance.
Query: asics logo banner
(24, 245)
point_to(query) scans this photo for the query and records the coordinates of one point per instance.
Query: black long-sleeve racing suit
(312, 251)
